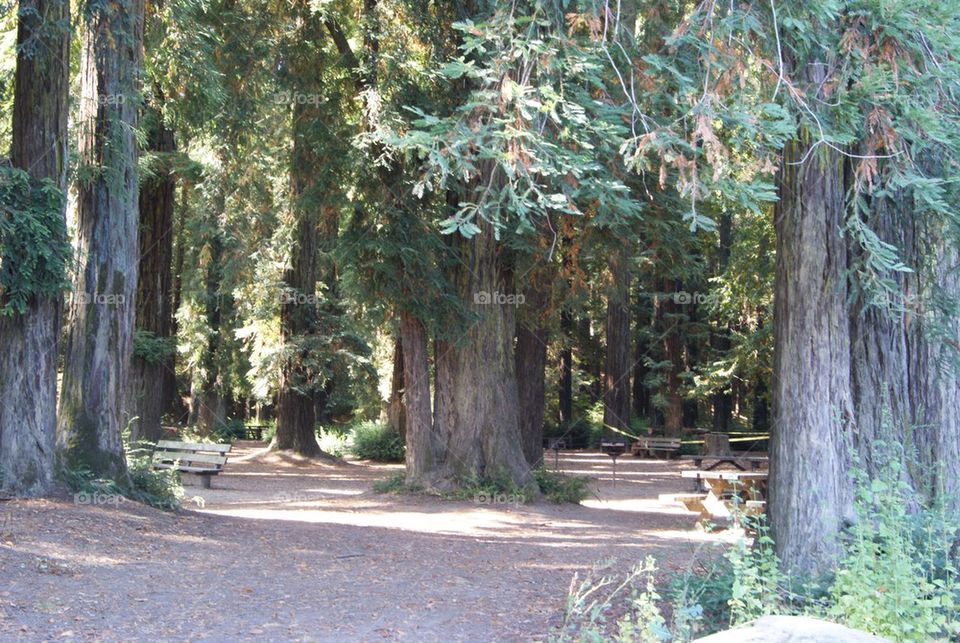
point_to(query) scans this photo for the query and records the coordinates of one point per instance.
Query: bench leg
(205, 481)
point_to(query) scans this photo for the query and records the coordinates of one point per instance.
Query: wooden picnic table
(729, 492)
(740, 461)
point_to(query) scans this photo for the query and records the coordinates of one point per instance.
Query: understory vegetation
(897, 578)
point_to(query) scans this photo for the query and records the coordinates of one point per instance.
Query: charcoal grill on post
(555, 444)
(614, 447)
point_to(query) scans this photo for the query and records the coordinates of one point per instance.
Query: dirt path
(285, 550)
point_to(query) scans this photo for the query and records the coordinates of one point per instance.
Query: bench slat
(197, 470)
(170, 445)
(190, 457)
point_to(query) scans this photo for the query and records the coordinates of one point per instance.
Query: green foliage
(579, 433)
(561, 488)
(396, 483)
(377, 442)
(604, 591)
(334, 443)
(159, 488)
(33, 240)
(151, 348)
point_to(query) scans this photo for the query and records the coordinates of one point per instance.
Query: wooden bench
(204, 460)
(670, 446)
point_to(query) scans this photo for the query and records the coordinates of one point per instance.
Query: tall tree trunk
(669, 331)
(149, 379)
(616, 388)
(810, 494)
(478, 419)
(565, 385)
(299, 323)
(720, 338)
(396, 408)
(101, 313)
(530, 363)
(421, 452)
(207, 399)
(174, 403)
(28, 341)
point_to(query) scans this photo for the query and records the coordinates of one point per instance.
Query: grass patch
(397, 483)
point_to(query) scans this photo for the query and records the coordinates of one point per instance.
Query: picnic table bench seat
(204, 460)
(652, 445)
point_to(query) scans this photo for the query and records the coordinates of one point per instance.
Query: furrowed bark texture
(150, 378)
(478, 417)
(809, 487)
(28, 341)
(100, 317)
(421, 454)
(531, 360)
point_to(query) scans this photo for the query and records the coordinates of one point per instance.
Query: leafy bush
(560, 488)
(336, 444)
(377, 442)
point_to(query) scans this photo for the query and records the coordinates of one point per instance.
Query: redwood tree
(100, 318)
(29, 337)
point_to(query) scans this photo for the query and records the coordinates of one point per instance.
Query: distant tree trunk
(296, 413)
(28, 341)
(479, 415)
(720, 338)
(208, 404)
(565, 388)
(174, 403)
(669, 331)
(616, 389)
(396, 409)
(810, 494)
(421, 452)
(149, 378)
(100, 319)
(530, 359)
(641, 396)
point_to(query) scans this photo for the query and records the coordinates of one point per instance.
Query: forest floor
(284, 549)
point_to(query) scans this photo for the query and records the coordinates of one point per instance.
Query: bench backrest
(193, 455)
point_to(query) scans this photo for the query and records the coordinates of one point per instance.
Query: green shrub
(377, 442)
(560, 488)
(336, 444)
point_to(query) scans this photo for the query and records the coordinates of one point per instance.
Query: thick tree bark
(810, 494)
(149, 378)
(616, 385)
(296, 411)
(101, 313)
(28, 341)
(421, 452)
(478, 417)
(530, 362)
